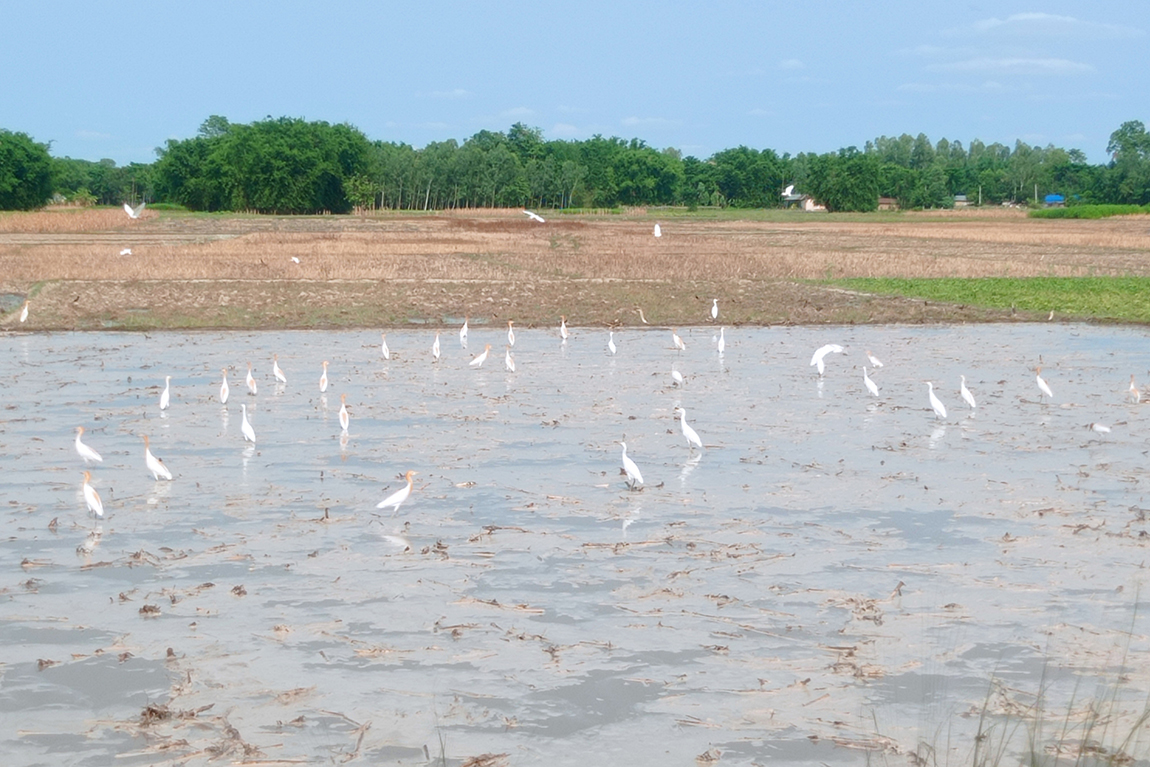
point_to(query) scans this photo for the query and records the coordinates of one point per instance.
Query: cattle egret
(295, 259)
(463, 334)
(690, 434)
(435, 347)
(678, 342)
(634, 477)
(611, 341)
(871, 386)
(534, 216)
(823, 351)
(722, 341)
(245, 427)
(1099, 428)
(126, 252)
(250, 380)
(874, 361)
(166, 394)
(87, 453)
(277, 371)
(508, 361)
(134, 212)
(383, 346)
(563, 327)
(224, 388)
(510, 334)
(965, 392)
(92, 498)
(24, 312)
(480, 358)
(714, 309)
(677, 377)
(1135, 395)
(154, 464)
(399, 496)
(935, 402)
(1042, 386)
(323, 378)
(344, 418)
(658, 231)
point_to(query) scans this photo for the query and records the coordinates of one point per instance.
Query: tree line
(289, 165)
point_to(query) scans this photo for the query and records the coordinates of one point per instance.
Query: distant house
(960, 201)
(1054, 201)
(888, 203)
(803, 201)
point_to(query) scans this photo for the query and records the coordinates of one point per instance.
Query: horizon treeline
(290, 165)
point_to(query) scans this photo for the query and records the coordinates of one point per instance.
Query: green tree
(25, 172)
(846, 181)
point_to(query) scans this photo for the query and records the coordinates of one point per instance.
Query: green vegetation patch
(1091, 211)
(1115, 299)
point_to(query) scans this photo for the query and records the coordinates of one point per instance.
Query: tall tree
(25, 172)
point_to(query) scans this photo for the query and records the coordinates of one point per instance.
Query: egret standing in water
(563, 327)
(874, 361)
(92, 498)
(397, 498)
(611, 341)
(678, 342)
(722, 341)
(508, 361)
(1135, 395)
(87, 453)
(965, 392)
(1042, 386)
(344, 418)
(166, 394)
(689, 434)
(435, 348)
(383, 346)
(154, 464)
(250, 380)
(245, 427)
(510, 334)
(634, 477)
(277, 371)
(677, 377)
(935, 402)
(24, 312)
(871, 386)
(823, 351)
(224, 389)
(480, 358)
(322, 380)
(463, 334)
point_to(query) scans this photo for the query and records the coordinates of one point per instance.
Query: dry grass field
(389, 270)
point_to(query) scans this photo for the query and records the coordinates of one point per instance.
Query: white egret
(480, 358)
(1042, 385)
(24, 311)
(154, 464)
(823, 351)
(611, 341)
(965, 392)
(323, 378)
(634, 476)
(935, 402)
(690, 434)
(510, 334)
(295, 259)
(246, 427)
(134, 212)
(641, 317)
(166, 394)
(508, 361)
(677, 377)
(224, 388)
(344, 418)
(678, 342)
(92, 498)
(126, 252)
(250, 380)
(874, 361)
(399, 496)
(463, 334)
(1135, 395)
(871, 386)
(658, 232)
(534, 216)
(383, 346)
(714, 309)
(1099, 428)
(563, 327)
(435, 347)
(277, 371)
(722, 341)
(87, 453)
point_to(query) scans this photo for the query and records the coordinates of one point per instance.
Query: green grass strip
(1114, 299)
(1091, 211)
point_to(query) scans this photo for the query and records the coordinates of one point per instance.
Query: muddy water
(833, 575)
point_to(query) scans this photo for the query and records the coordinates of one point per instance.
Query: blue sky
(116, 80)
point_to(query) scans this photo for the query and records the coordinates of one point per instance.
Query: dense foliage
(287, 165)
(25, 172)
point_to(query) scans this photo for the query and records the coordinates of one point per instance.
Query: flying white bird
(344, 418)
(277, 371)
(508, 361)
(678, 342)
(166, 394)
(463, 334)
(480, 358)
(789, 190)
(1135, 395)
(563, 327)
(399, 496)
(874, 361)
(224, 388)
(611, 341)
(322, 379)
(1042, 386)
(690, 434)
(126, 252)
(965, 392)
(935, 402)
(871, 386)
(87, 453)
(154, 464)
(510, 334)
(534, 216)
(823, 351)
(245, 427)
(134, 212)
(714, 309)
(250, 380)
(658, 231)
(386, 352)
(435, 347)
(634, 477)
(722, 341)
(24, 312)
(92, 498)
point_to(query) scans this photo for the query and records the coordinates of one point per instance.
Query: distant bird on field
(246, 427)
(295, 259)
(658, 231)
(1042, 385)
(563, 327)
(92, 498)
(677, 341)
(689, 434)
(935, 402)
(510, 334)
(871, 386)
(134, 212)
(154, 464)
(397, 498)
(87, 453)
(435, 347)
(166, 394)
(634, 476)
(874, 361)
(224, 388)
(24, 312)
(250, 380)
(384, 350)
(714, 309)
(277, 371)
(611, 341)
(508, 360)
(126, 252)
(480, 358)
(1135, 395)
(965, 392)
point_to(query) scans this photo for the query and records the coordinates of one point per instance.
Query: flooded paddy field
(834, 578)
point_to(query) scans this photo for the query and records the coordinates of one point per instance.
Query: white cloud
(791, 64)
(649, 122)
(1053, 25)
(990, 86)
(564, 129)
(1016, 66)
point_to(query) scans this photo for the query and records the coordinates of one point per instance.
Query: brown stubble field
(388, 270)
